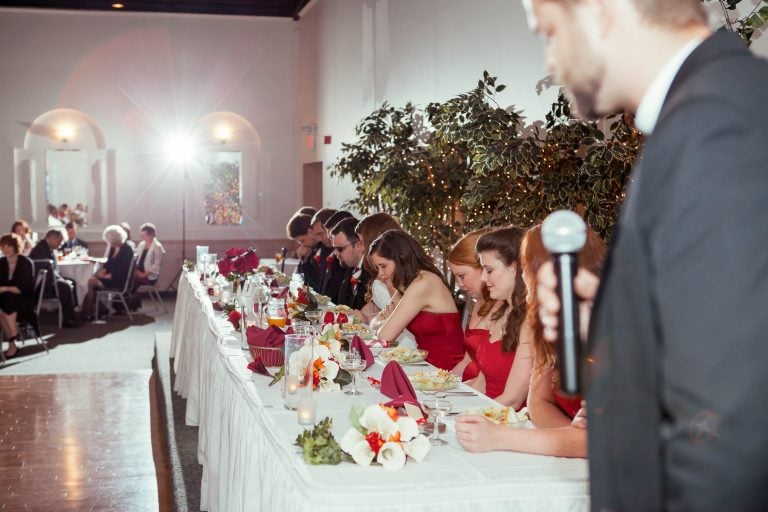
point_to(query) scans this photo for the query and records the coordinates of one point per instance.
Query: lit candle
(306, 409)
(291, 391)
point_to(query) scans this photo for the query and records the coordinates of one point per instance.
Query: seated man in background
(299, 229)
(72, 239)
(66, 287)
(351, 253)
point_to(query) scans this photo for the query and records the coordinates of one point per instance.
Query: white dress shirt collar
(653, 100)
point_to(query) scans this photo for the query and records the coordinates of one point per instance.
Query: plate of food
(362, 330)
(501, 415)
(434, 380)
(404, 355)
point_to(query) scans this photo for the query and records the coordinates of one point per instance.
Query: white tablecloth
(79, 271)
(246, 443)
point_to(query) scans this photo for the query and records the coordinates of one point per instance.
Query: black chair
(112, 294)
(28, 325)
(51, 295)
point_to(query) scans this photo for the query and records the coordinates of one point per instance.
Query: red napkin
(396, 385)
(257, 366)
(360, 346)
(272, 336)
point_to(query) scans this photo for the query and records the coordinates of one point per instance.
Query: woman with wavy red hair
(465, 267)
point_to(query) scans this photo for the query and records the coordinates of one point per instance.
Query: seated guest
(299, 229)
(323, 256)
(127, 228)
(547, 405)
(115, 271)
(338, 273)
(306, 210)
(560, 423)
(379, 292)
(422, 302)
(506, 356)
(150, 252)
(351, 253)
(67, 290)
(465, 267)
(17, 289)
(21, 228)
(72, 239)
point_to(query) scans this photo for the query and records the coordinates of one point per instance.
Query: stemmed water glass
(354, 364)
(313, 315)
(437, 408)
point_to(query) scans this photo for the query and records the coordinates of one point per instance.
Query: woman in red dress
(465, 267)
(505, 357)
(560, 424)
(421, 303)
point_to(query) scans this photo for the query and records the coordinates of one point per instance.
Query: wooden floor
(77, 442)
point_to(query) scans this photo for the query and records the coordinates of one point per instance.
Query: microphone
(564, 234)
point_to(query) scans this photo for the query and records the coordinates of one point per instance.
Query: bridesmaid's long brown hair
(505, 242)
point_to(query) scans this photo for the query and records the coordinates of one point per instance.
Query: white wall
(142, 77)
(355, 54)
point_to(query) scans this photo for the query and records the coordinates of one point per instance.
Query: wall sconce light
(310, 130)
(223, 134)
(65, 133)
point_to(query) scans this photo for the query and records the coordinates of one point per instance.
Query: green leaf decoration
(279, 375)
(319, 446)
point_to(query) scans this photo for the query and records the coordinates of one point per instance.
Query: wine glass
(313, 315)
(354, 364)
(437, 408)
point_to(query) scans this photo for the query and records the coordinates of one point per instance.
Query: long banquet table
(249, 461)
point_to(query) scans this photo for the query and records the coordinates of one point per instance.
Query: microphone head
(564, 232)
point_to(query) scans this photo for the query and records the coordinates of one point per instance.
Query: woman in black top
(17, 288)
(115, 271)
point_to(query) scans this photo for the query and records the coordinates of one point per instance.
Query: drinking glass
(301, 327)
(354, 364)
(437, 408)
(313, 315)
(276, 312)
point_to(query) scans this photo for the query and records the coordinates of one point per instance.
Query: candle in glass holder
(306, 410)
(291, 391)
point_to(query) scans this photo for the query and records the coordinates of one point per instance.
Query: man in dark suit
(351, 252)
(299, 228)
(72, 239)
(677, 380)
(66, 288)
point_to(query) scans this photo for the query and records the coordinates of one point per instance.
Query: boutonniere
(353, 281)
(317, 258)
(329, 262)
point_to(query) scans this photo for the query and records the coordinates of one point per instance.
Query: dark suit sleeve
(710, 278)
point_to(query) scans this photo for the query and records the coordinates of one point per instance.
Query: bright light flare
(223, 133)
(180, 149)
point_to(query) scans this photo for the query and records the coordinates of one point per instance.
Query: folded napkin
(396, 385)
(272, 336)
(360, 346)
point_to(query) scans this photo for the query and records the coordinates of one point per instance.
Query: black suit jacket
(353, 295)
(24, 280)
(679, 333)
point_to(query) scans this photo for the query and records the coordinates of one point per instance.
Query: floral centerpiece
(325, 354)
(238, 263)
(380, 434)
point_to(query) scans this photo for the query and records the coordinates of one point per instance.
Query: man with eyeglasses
(351, 252)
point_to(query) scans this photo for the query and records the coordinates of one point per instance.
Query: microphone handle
(568, 343)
